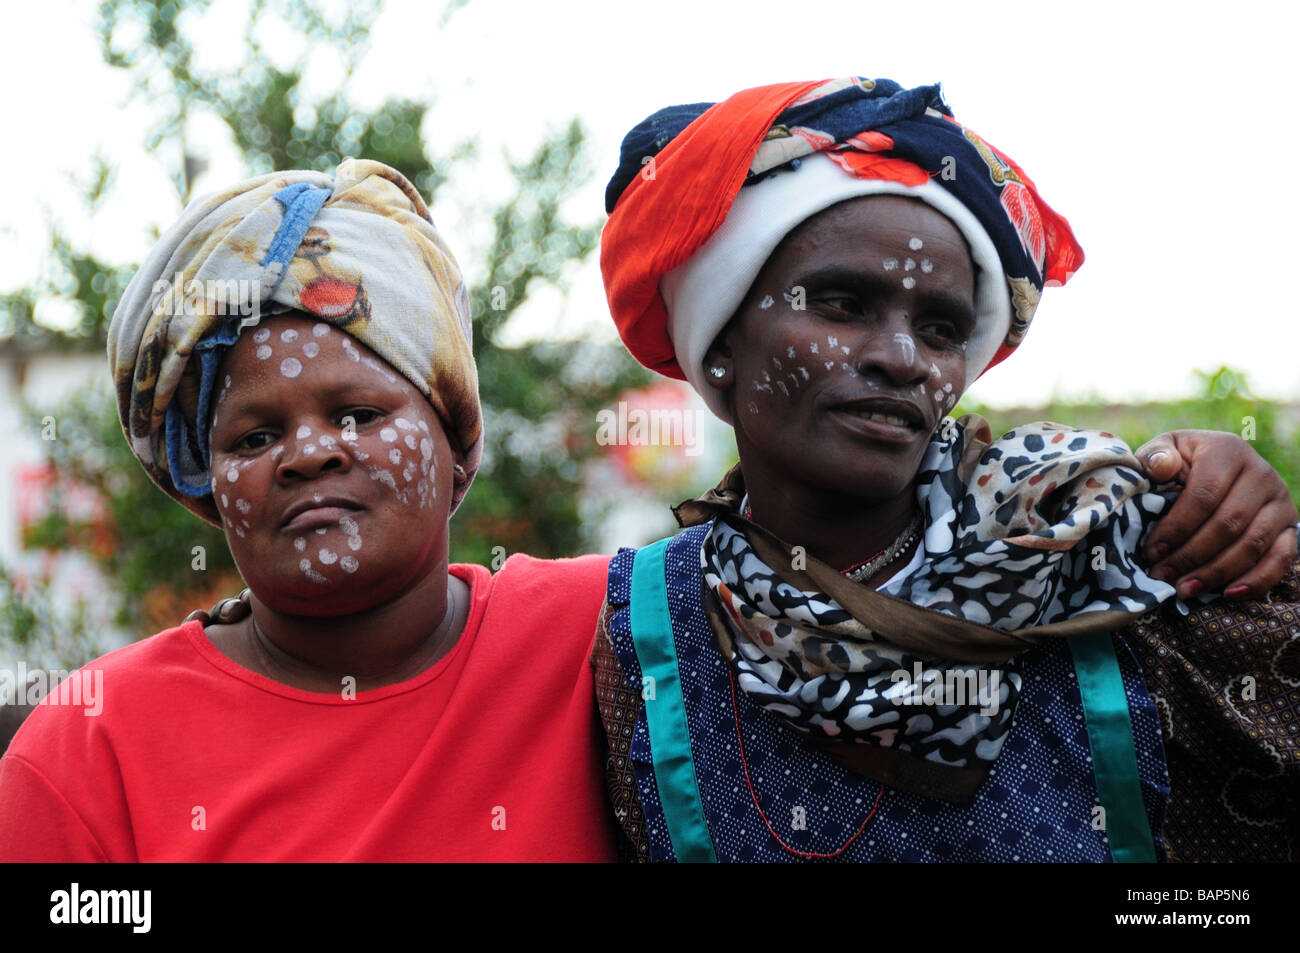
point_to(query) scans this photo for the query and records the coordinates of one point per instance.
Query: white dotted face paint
(812, 346)
(909, 265)
(291, 367)
(395, 455)
(790, 351)
(327, 441)
(909, 282)
(311, 349)
(766, 303)
(320, 330)
(300, 544)
(404, 424)
(303, 432)
(288, 336)
(327, 557)
(426, 448)
(277, 452)
(261, 335)
(915, 243)
(309, 449)
(322, 531)
(242, 505)
(890, 264)
(388, 435)
(934, 371)
(263, 352)
(927, 266)
(224, 500)
(410, 441)
(232, 475)
(349, 564)
(423, 426)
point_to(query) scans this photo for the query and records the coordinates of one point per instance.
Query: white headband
(704, 293)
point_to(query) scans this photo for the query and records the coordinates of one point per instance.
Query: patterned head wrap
(704, 193)
(357, 249)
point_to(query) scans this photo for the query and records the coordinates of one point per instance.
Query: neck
(839, 529)
(381, 646)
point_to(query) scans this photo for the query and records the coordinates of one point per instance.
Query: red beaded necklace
(744, 763)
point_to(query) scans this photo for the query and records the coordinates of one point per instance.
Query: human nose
(312, 448)
(888, 348)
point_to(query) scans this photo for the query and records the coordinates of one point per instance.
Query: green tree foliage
(539, 400)
(1224, 403)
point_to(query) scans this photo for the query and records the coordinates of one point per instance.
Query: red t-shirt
(493, 754)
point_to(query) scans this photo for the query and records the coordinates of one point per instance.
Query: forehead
(876, 226)
(298, 350)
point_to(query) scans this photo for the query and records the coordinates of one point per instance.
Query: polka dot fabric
(1038, 803)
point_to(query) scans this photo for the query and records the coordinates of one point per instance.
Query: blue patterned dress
(1039, 803)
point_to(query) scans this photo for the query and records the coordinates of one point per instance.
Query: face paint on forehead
(915, 243)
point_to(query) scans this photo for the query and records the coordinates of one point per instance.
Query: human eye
(254, 441)
(840, 305)
(359, 416)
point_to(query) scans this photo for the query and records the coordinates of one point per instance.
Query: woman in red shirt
(375, 703)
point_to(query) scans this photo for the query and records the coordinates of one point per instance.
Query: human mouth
(880, 418)
(318, 512)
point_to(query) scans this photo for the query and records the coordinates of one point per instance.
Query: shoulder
(74, 707)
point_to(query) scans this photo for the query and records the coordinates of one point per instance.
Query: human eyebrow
(934, 301)
(866, 283)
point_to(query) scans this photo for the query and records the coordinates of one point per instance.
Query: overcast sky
(1164, 136)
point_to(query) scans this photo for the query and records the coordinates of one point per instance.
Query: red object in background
(651, 427)
(40, 492)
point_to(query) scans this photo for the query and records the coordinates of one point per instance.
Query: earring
(461, 476)
(718, 372)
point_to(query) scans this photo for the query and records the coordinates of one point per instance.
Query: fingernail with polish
(1192, 588)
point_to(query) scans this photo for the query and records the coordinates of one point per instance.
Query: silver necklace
(891, 553)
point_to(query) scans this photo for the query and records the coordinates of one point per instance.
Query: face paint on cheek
(927, 266)
(766, 303)
(311, 349)
(915, 243)
(890, 264)
(291, 367)
(242, 505)
(909, 282)
(263, 352)
(277, 452)
(909, 265)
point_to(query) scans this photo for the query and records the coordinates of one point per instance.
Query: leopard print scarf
(1041, 526)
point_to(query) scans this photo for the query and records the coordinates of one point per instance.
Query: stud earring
(461, 476)
(718, 372)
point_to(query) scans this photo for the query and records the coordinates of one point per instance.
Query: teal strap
(1110, 735)
(670, 739)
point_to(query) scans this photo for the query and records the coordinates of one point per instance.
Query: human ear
(719, 370)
